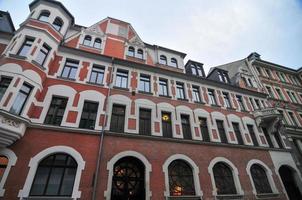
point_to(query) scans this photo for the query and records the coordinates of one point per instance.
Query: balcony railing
(11, 128)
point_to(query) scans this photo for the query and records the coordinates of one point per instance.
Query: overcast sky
(212, 32)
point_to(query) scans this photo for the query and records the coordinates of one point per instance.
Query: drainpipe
(100, 152)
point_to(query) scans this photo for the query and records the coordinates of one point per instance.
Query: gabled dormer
(195, 68)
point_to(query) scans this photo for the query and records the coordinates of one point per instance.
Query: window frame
(97, 70)
(44, 13)
(90, 112)
(163, 60)
(97, 41)
(57, 24)
(145, 119)
(70, 65)
(120, 116)
(196, 97)
(131, 51)
(143, 81)
(227, 100)
(20, 91)
(165, 85)
(87, 40)
(174, 61)
(4, 85)
(56, 107)
(28, 43)
(123, 75)
(212, 97)
(180, 91)
(44, 51)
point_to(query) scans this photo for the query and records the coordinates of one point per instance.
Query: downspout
(100, 152)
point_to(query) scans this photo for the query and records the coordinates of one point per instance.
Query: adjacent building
(96, 113)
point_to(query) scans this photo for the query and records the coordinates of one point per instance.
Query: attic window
(174, 62)
(58, 23)
(1, 16)
(163, 60)
(97, 43)
(87, 40)
(140, 54)
(44, 16)
(131, 51)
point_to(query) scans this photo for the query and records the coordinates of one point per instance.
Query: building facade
(96, 113)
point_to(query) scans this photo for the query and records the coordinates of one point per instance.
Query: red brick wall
(35, 141)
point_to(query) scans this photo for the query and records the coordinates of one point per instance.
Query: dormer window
(163, 60)
(44, 16)
(58, 23)
(196, 70)
(223, 76)
(131, 51)
(140, 54)
(97, 43)
(87, 40)
(174, 62)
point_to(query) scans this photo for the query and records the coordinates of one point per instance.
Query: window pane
(224, 180)
(20, 100)
(54, 181)
(40, 181)
(4, 84)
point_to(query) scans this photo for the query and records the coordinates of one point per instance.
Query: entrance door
(128, 181)
(289, 182)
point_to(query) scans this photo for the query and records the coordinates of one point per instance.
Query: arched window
(131, 51)
(260, 179)
(97, 43)
(3, 165)
(224, 180)
(128, 180)
(87, 40)
(57, 23)
(44, 15)
(163, 60)
(174, 62)
(181, 181)
(55, 176)
(140, 53)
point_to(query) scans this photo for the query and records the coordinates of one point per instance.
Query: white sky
(212, 32)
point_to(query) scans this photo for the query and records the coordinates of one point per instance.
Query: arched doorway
(288, 179)
(128, 181)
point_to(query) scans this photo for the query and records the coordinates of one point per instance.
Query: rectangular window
(293, 119)
(121, 79)
(212, 98)
(223, 76)
(237, 132)
(21, 99)
(252, 103)
(280, 93)
(269, 73)
(283, 117)
(43, 53)
(4, 83)
(144, 121)
(89, 114)
(195, 94)
(252, 134)
(292, 96)
(70, 69)
(250, 82)
(204, 129)
(117, 119)
(278, 139)
(166, 124)
(270, 92)
(259, 70)
(196, 70)
(257, 103)
(26, 46)
(144, 83)
(180, 90)
(226, 100)
(186, 127)
(163, 87)
(268, 138)
(240, 102)
(56, 111)
(221, 131)
(97, 74)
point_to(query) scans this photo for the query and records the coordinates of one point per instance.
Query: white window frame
(268, 172)
(117, 157)
(12, 159)
(34, 163)
(195, 170)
